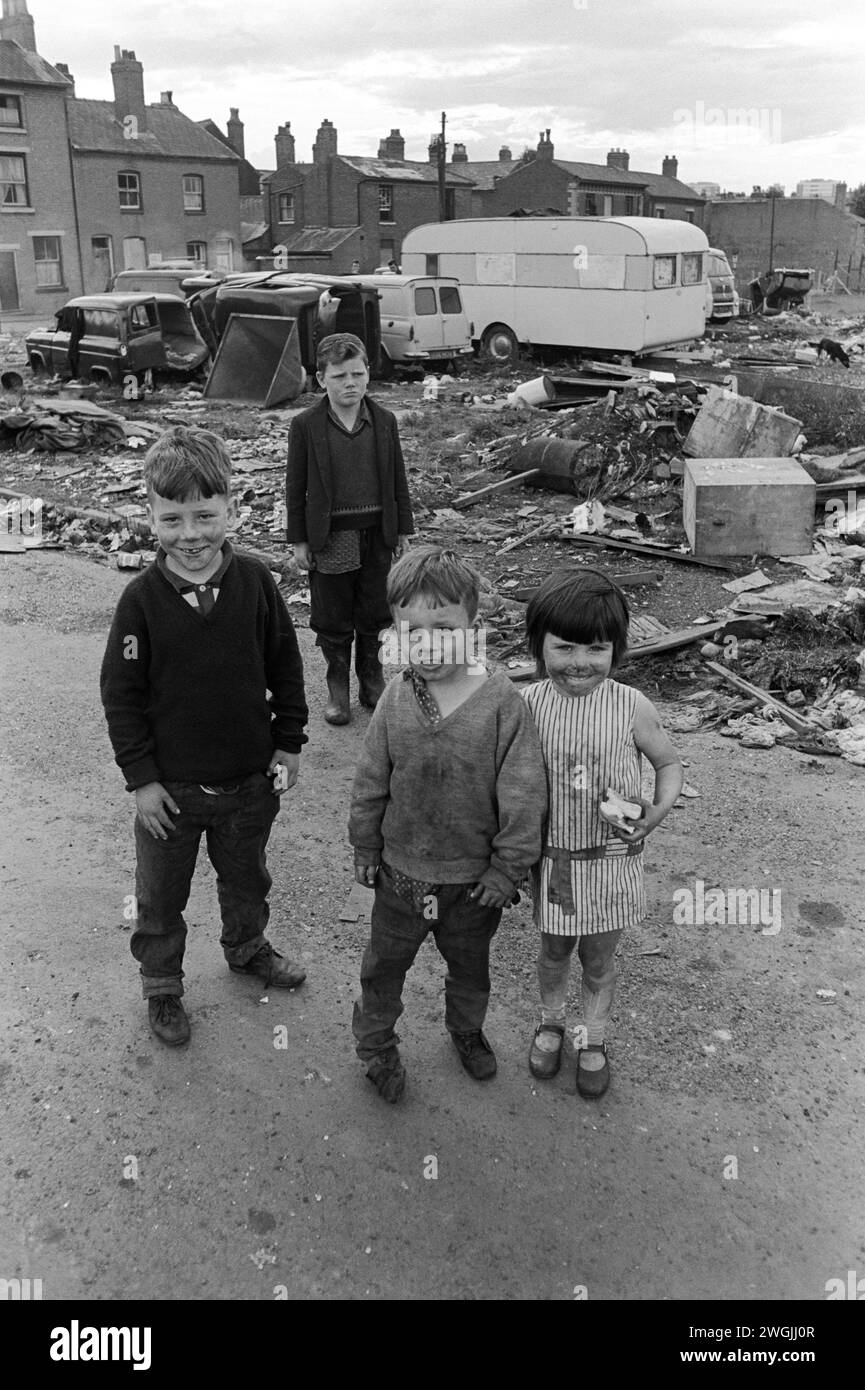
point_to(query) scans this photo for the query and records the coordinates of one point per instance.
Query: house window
(385, 202)
(49, 267)
(286, 207)
(689, 214)
(197, 251)
(591, 205)
(660, 212)
(129, 191)
(134, 253)
(193, 193)
(13, 181)
(10, 111)
(630, 209)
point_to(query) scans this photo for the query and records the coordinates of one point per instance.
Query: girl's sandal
(592, 1084)
(543, 1064)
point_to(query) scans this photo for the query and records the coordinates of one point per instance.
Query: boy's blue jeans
(462, 932)
(236, 827)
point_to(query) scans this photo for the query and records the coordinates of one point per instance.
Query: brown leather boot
(369, 673)
(338, 658)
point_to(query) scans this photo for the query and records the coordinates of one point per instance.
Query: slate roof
(399, 170)
(312, 240)
(602, 173)
(483, 172)
(19, 65)
(661, 186)
(93, 125)
(250, 185)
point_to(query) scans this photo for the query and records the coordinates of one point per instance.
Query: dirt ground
(724, 1162)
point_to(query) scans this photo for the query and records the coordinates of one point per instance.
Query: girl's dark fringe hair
(578, 605)
(437, 574)
(188, 462)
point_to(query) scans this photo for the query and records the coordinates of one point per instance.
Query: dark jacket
(309, 486)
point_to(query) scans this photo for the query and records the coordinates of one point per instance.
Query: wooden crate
(748, 506)
(731, 426)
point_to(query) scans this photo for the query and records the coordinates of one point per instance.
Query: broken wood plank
(801, 726)
(550, 527)
(653, 551)
(840, 485)
(493, 488)
(681, 637)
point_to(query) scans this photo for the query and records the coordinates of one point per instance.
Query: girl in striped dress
(588, 886)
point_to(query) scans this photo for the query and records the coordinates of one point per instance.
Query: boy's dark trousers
(462, 932)
(236, 825)
(355, 602)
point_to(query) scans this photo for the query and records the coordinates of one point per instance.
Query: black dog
(833, 351)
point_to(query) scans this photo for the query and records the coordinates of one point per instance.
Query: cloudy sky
(744, 92)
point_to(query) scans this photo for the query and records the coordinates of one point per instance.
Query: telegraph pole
(442, 155)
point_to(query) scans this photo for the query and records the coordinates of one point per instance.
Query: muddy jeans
(462, 931)
(236, 827)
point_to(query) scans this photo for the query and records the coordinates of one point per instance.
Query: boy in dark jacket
(348, 513)
(196, 644)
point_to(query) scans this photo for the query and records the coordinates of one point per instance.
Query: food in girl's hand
(617, 811)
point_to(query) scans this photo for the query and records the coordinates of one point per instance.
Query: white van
(607, 284)
(422, 320)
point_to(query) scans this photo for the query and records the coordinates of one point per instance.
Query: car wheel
(499, 344)
(37, 367)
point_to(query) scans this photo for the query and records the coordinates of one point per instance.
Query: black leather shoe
(476, 1055)
(268, 965)
(592, 1084)
(168, 1019)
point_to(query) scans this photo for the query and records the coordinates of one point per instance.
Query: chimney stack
(459, 155)
(545, 145)
(17, 25)
(63, 67)
(127, 75)
(505, 154)
(391, 147)
(234, 131)
(618, 159)
(166, 98)
(284, 145)
(670, 167)
(433, 148)
(325, 142)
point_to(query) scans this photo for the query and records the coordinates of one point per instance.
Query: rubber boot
(338, 658)
(369, 673)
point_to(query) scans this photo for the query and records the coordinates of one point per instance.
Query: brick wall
(42, 143)
(162, 221)
(808, 232)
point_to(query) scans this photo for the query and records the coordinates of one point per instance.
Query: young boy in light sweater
(446, 816)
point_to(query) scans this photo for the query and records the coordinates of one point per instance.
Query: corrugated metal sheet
(313, 239)
(399, 170)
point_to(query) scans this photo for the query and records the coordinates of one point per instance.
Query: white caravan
(605, 284)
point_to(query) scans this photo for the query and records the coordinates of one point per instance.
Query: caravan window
(665, 272)
(692, 267)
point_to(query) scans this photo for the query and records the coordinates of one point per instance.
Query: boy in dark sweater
(348, 512)
(196, 644)
(447, 810)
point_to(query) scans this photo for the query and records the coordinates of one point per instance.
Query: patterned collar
(423, 695)
(183, 586)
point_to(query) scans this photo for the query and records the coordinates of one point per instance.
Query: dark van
(99, 338)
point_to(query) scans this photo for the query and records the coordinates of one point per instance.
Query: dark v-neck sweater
(186, 696)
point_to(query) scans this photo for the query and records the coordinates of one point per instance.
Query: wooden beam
(801, 726)
(490, 491)
(652, 551)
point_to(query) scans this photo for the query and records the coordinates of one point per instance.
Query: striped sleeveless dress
(588, 745)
